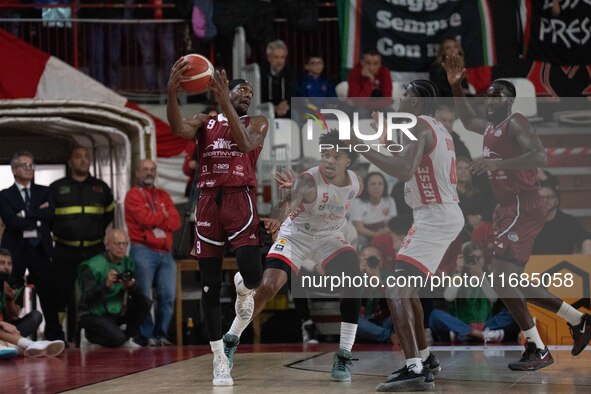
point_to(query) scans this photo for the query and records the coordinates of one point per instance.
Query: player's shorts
(434, 228)
(516, 224)
(294, 247)
(225, 216)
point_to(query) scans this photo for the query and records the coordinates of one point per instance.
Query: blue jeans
(375, 332)
(442, 323)
(158, 268)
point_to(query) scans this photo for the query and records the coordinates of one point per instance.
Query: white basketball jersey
(435, 179)
(327, 213)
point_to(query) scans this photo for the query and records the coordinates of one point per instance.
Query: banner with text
(407, 32)
(561, 36)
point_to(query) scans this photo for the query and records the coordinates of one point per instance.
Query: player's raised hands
(454, 68)
(176, 74)
(219, 86)
(284, 178)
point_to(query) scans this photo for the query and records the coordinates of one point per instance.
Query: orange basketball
(198, 78)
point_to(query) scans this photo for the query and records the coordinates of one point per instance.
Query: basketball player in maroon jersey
(511, 154)
(228, 147)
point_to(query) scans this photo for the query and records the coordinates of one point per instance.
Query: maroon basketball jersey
(499, 145)
(220, 161)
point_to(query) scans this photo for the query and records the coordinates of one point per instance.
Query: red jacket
(144, 214)
(362, 87)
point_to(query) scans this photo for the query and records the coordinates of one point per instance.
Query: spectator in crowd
(314, 83)
(375, 323)
(471, 314)
(84, 207)
(562, 233)
(278, 80)
(11, 289)
(156, 41)
(110, 296)
(105, 41)
(475, 205)
(369, 78)
(11, 335)
(437, 74)
(151, 218)
(27, 210)
(547, 179)
(373, 209)
(446, 115)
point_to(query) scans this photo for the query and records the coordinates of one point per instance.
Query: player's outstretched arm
(402, 165)
(454, 68)
(178, 125)
(534, 155)
(247, 138)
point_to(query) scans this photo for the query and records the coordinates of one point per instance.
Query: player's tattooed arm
(534, 154)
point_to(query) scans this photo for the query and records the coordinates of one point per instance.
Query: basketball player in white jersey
(320, 200)
(428, 168)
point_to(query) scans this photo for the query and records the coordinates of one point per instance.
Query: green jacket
(96, 298)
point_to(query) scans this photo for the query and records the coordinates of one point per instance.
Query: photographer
(109, 296)
(374, 323)
(471, 317)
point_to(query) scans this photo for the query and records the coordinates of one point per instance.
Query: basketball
(198, 78)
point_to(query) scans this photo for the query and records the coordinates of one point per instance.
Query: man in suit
(27, 209)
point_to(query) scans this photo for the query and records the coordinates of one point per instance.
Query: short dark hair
(332, 138)
(365, 194)
(372, 51)
(5, 252)
(21, 153)
(507, 85)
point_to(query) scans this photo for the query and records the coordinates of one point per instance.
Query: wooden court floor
(285, 368)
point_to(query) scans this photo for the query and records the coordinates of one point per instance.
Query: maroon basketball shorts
(225, 216)
(516, 223)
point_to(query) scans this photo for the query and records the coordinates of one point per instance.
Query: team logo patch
(498, 132)
(351, 194)
(64, 190)
(513, 237)
(307, 226)
(282, 241)
(412, 231)
(279, 248)
(98, 189)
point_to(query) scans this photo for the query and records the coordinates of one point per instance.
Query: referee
(84, 207)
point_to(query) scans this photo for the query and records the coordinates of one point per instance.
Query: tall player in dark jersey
(228, 147)
(511, 154)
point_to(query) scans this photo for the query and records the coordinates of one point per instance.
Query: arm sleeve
(94, 291)
(173, 222)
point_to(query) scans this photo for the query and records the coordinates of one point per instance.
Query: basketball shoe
(532, 359)
(405, 379)
(581, 334)
(221, 371)
(231, 343)
(341, 371)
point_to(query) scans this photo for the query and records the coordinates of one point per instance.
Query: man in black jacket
(278, 80)
(26, 210)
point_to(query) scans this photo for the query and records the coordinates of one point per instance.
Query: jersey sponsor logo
(282, 241)
(425, 182)
(279, 248)
(513, 237)
(239, 168)
(210, 183)
(64, 190)
(223, 168)
(486, 152)
(252, 237)
(203, 224)
(351, 195)
(450, 145)
(204, 169)
(222, 143)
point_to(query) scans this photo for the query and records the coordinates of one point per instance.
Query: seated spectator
(446, 115)
(11, 338)
(375, 323)
(11, 289)
(437, 74)
(369, 78)
(109, 296)
(373, 209)
(314, 83)
(562, 233)
(278, 80)
(471, 314)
